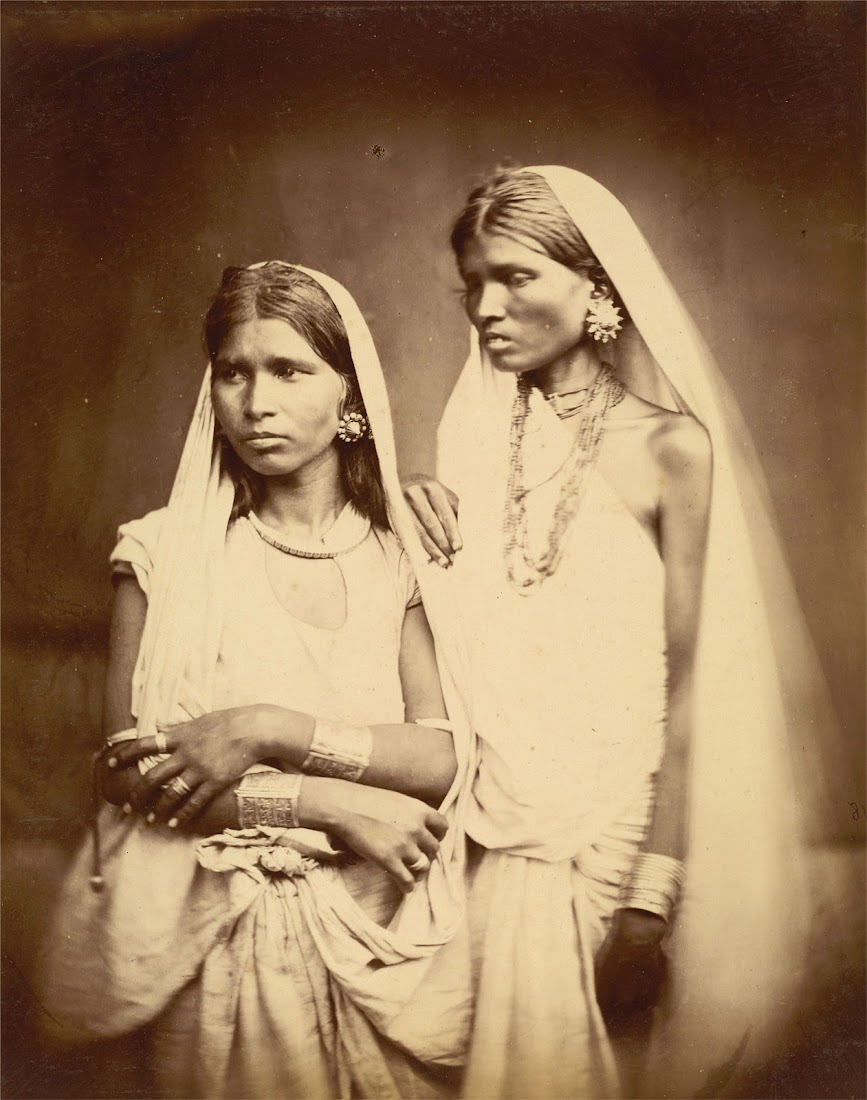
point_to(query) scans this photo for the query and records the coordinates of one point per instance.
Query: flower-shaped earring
(352, 427)
(603, 319)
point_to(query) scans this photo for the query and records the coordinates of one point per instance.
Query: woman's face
(277, 401)
(529, 310)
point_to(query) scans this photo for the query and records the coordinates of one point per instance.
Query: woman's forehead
(265, 338)
(494, 249)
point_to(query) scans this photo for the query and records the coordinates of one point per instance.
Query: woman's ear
(350, 400)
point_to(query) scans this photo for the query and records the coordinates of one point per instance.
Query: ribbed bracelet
(338, 752)
(654, 884)
(269, 799)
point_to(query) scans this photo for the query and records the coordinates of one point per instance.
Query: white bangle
(121, 737)
(338, 752)
(436, 724)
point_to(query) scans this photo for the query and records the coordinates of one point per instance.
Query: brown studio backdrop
(148, 146)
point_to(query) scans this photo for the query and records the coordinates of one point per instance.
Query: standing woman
(271, 680)
(608, 548)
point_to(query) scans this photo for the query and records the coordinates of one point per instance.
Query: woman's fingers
(147, 790)
(428, 545)
(435, 507)
(428, 847)
(417, 864)
(445, 504)
(181, 800)
(430, 525)
(189, 810)
(401, 874)
(115, 786)
(437, 824)
(171, 798)
(121, 756)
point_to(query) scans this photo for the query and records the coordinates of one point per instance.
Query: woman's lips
(264, 442)
(495, 341)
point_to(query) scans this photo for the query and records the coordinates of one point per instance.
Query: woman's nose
(260, 396)
(490, 303)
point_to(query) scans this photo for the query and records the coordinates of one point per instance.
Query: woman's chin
(504, 363)
(271, 466)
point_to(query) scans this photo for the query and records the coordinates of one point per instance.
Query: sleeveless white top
(268, 655)
(570, 695)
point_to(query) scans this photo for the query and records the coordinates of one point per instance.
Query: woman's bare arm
(127, 625)
(685, 463)
(630, 964)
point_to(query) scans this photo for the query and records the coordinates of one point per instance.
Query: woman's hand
(399, 833)
(220, 813)
(630, 966)
(205, 756)
(114, 784)
(435, 511)
(117, 784)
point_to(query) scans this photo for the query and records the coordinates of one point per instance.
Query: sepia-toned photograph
(433, 565)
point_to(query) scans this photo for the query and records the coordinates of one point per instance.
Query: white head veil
(759, 700)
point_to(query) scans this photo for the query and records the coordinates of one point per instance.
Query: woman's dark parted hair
(281, 292)
(518, 203)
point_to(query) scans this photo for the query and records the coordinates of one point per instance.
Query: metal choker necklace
(525, 568)
(273, 538)
(570, 402)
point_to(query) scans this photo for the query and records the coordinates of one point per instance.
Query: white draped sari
(563, 687)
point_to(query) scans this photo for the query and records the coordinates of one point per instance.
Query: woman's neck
(573, 371)
(303, 505)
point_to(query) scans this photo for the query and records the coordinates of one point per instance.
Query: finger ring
(421, 864)
(119, 738)
(160, 739)
(179, 785)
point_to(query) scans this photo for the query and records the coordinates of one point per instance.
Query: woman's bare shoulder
(680, 441)
(678, 444)
(670, 434)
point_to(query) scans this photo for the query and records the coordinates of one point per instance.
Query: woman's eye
(286, 373)
(519, 278)
(229, 374)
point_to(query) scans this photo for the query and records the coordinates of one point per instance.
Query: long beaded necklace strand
(523, 569)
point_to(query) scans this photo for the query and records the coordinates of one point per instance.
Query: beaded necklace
(267, 534)
(524, 570)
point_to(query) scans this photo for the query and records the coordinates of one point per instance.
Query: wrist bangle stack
(269, 799)
(654, 884)
(338, 752)
(436, 724)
